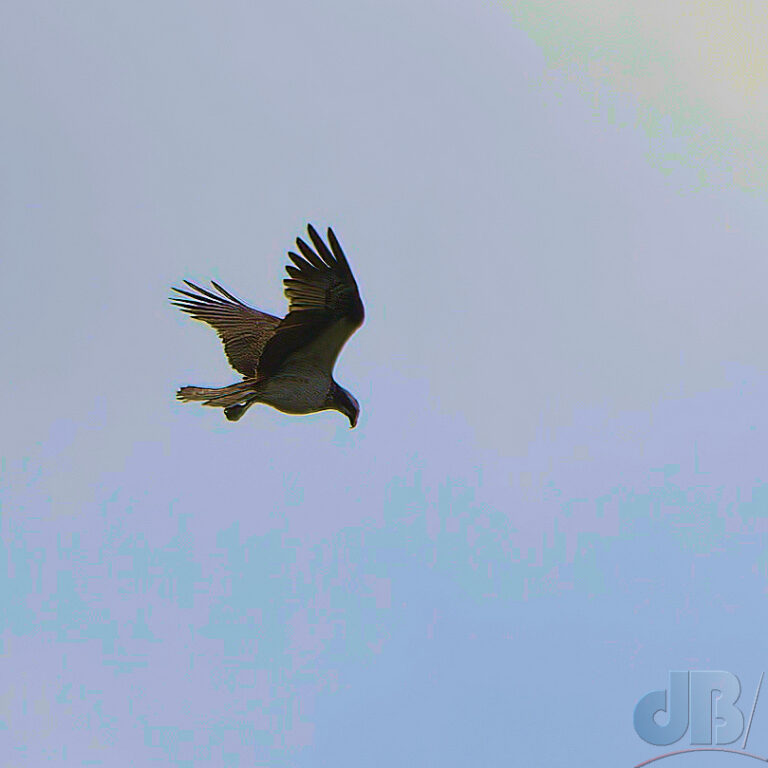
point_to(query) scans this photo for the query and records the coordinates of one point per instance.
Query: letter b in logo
(692, 693)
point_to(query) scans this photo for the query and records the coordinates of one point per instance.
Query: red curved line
(703, 749)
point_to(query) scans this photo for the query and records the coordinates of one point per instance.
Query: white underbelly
(296, 391)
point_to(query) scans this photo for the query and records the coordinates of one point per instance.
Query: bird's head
(345, 403)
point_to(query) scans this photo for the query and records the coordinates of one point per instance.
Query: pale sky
(556, 493)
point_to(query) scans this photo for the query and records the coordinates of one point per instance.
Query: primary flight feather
(286, 363)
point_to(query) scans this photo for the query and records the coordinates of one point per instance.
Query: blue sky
(556, 492)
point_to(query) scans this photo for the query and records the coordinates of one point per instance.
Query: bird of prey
(286, 363)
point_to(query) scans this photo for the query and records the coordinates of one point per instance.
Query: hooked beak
(353, 421)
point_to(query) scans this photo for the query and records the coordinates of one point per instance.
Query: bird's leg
(234, 412)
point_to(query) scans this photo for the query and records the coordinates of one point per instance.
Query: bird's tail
(223, 397)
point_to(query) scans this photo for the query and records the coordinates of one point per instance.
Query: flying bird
(286, 363)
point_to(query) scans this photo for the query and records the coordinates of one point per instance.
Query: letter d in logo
(676, 708)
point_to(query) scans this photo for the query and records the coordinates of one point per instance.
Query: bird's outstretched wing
(324, 306)
(245, 331)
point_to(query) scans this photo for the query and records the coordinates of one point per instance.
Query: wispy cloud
(698, 72)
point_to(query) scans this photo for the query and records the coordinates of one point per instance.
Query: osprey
(286, 363)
